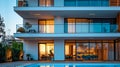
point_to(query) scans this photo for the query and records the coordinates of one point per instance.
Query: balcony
(68, 28)
(70, 31)
(67, 3)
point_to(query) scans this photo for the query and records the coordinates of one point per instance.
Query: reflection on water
(78, 65)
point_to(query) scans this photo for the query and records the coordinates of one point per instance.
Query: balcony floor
(68, 36)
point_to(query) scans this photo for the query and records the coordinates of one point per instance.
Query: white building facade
(66, 30)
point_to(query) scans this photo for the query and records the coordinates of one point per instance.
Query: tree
(2, 29)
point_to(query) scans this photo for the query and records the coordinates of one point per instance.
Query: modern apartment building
(70, 30)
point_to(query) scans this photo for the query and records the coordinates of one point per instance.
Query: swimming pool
(72, 65)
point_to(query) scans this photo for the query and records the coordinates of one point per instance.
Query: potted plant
(28, 56)
(21, 29)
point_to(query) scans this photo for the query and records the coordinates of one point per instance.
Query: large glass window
(91, 50)
(76, 25)
(82, 3)
(82, 25)
(70, 26)
(46, 51)
(46, 26)
(86, 2)
(70, 51)
(82, 51)
(70, 3)
(46, 2)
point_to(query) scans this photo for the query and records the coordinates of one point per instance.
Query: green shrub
(21, 29)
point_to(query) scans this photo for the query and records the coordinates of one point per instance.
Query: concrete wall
(59, 25)
(58, 3)
(30, 47)
(59, 50)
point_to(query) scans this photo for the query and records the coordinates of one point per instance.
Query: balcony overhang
(68, 36)
(83, 12)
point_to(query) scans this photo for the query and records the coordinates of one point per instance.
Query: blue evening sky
(10, 17)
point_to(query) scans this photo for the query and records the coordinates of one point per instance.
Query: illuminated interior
(70, 51)
(46, 2)
(46, 26)
(46, 51)
(89, 50)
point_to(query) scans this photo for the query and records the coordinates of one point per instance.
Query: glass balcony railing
(67, 3)
(68, 28)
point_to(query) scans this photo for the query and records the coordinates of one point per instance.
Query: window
(46, 26)
(70, 3)
(46, 2)
(82, 3)
(70, 25)
(86, 2)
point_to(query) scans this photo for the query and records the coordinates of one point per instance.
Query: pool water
(72, 65)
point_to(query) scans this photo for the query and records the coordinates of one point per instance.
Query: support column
(59, 50)
(30, 47)
(59, 25)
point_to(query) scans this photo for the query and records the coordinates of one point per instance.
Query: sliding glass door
(46, 3)
(86, 3)
(46, 51)
(82, 50)
(92, 51)
(70, 52)
(46, 26)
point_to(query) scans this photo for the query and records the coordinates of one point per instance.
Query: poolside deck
(18, 63)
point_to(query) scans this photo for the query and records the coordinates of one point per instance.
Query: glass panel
(86, 3)
(95, 3)
(95, 27)
(93, 51)
(71, 25)
(82, 3)
(46, 26)
(70, 3)
(66, 27)
(106, 27)
(49, 2)
(113, 28)
(82, 51)
(42, 26)
(70, 51)
(82, 25)
(46, 51)
(42, 2)
(49, 26)
(111, 51)
(105, 51)
(99, 51)
(46, 2)
(42, 50)
(105, 2)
